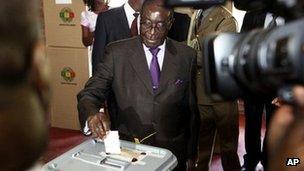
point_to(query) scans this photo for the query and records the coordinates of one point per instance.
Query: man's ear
(40, 74)
(40, 60)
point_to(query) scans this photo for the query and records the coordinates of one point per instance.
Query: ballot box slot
(115, 163)
(105, 161)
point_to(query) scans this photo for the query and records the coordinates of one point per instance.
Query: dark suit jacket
(253, 19)
(171, 112)
(111, 25)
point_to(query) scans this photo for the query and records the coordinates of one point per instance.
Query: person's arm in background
(100, 41)
(87, 35)
(93, 96)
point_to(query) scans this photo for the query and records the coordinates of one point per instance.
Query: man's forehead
(159, 13)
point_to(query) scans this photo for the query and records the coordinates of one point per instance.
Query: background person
(88, 19)
(254, 107)
(113, 25)
(217, 119)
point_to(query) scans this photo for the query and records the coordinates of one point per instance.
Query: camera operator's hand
(298, 92)
(282, 118)
(99, 124)
(286, 133)
(277, 102)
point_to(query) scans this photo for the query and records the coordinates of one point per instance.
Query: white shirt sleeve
(86, 130)
(84, 21)
(92, 21)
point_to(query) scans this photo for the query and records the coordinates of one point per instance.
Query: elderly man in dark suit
(152, 80)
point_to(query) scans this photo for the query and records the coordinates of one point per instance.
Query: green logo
(68, 74)
(66, 15)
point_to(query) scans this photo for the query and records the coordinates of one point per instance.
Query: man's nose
(153, 29)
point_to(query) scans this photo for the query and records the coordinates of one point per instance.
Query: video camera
(259, 62)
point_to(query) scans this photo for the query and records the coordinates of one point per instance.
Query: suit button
(210, 19)
(198, 73)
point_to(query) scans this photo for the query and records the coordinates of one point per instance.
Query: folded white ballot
(112, 143)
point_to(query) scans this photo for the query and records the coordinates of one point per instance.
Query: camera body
(259, 62)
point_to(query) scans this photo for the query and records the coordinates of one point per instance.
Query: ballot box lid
(90, 155)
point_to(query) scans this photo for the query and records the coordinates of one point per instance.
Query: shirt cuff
(86, 130)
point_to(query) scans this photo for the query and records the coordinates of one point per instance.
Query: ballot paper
(112, 143)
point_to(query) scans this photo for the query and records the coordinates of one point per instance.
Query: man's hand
(99, 124)
(277, 102)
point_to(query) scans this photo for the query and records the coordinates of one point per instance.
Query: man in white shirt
(115, 24)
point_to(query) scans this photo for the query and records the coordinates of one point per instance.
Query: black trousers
(253, 122)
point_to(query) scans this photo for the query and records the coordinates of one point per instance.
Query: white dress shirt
(269, 16)
(129, 13)
(160, 55)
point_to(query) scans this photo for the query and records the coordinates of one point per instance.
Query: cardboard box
(62, 23)
(69, 73)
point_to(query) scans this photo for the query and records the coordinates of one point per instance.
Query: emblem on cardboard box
(68, 74)
(67, 15)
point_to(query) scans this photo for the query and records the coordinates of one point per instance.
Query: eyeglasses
(160, 26)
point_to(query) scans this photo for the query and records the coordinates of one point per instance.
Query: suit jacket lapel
(139, 62)
(124, 22)
(169, 69)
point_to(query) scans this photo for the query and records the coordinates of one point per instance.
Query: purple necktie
(154, 68)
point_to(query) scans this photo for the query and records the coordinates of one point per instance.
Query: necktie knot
(136, 14)
(154, 51)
